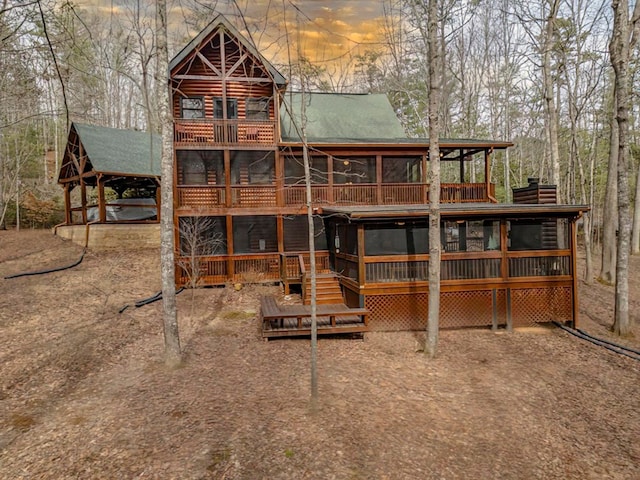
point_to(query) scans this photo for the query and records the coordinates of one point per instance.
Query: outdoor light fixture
(346, 162)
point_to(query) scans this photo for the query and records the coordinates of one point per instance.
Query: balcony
(207, 132)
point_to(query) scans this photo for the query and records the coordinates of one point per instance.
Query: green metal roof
(127, 152)
(340, 118)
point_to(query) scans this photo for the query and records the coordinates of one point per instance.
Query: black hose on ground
(50, 270)
(147, 301)
(637, 352)
(614, 347)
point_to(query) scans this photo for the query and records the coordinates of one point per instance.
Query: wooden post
(330, 178)
(494, 304)
(379, 195)
(279, 179)
(361, 264)
(280, 233)
(461, 166)
(504, 261)
(487, 174)
(67, 204)
(158, 203)
(228, 192)
(83, 187)
(425, 190)
(509, 318)
(230, 265)
(102, 209)
(83, 200)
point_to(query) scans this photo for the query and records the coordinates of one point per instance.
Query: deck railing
(403, 193)
(291, 266)
(463, 192)
(466, 266)
(206, 132)
(253, 196)
(202, 196)
(295, 195)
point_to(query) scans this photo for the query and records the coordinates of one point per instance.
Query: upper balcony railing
(208, 132)
(255, 196)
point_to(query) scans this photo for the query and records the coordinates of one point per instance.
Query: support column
(102, 209)
(159, 204)
(67, 204)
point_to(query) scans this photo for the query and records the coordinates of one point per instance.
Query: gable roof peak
(221, 22)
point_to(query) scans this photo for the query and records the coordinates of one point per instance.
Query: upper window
(192, 107)
(257, 108)
(401, 169)
(354, 170)
(232, 108)
(294, 170)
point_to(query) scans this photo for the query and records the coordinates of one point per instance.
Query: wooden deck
(295, 320)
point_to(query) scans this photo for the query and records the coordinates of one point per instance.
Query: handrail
(303, 270)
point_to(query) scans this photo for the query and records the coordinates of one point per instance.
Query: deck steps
(295, 320)
(328, 290)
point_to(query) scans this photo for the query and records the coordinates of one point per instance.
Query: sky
(327, 31)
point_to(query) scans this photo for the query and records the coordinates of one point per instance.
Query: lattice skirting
(473, 308)
(530, 306)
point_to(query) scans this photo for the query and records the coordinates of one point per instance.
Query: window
(396, 239)
(257, 108)
(202, 236)
(192, 107)
(354, 170)
(538, 234)
(232, 108)
(345, 239)
(401, 169)
(294, 170)
(255, 234)
(252, 167)
(470, 236)
(200, 167)
(296, 234)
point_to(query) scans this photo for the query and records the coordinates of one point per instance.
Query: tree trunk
(619, 52)
(610, 210)
(312, 272)
(172, 351)
(435, 75)
(550, 106)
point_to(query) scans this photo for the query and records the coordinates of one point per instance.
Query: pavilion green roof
(127, 152)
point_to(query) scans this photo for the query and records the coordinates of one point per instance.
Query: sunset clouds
(323, 31)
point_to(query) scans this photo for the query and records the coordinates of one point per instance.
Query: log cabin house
(238, 164)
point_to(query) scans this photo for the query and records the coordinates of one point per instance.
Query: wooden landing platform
(295, 320)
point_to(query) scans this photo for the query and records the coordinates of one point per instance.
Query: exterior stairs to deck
(328, 289)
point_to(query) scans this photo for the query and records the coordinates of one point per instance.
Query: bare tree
(619, 48)
(173, 354)
(435, 79)
(198, 237)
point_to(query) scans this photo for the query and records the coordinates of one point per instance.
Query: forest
(547, 75)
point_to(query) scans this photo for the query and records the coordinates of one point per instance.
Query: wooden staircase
(328, 289)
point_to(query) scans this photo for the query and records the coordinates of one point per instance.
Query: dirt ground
(85, 395)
